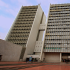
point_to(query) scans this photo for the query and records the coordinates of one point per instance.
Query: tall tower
(21, 28)
(57, 38)
(26, 27)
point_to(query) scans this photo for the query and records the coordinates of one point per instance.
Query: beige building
(9, 51)
(57, 37)
(27, 31)
(46, 41)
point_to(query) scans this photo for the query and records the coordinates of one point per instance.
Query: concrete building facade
(46, 41)
(27, 31)
(9, 51)
(57, 38)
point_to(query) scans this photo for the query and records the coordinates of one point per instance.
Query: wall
(44, 19)
(9, 51)
(40, 36)
(52, 57)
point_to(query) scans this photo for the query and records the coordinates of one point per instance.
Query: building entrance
(0, 57)
(65, 57)
(52, 57)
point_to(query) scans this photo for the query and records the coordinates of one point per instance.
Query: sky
(10, 8)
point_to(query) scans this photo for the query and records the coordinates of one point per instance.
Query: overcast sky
(10, 8)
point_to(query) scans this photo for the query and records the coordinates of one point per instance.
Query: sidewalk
(34, 66)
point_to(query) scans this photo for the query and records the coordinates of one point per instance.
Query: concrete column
(60, 56)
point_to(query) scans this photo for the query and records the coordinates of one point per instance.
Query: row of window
(58, 28)
(60, 10)
(24, 20)
(60, 6)
(17, 39)
(56, 35)
(57, 43)
(26, 17)
(21, 44)
(19, 32)
(28, 10)
(59, 16)
(24, 23)
(52, 48)
(59, 24)
(27, 14)
(30, 7)
(62, 27)
(59, 19)
(22, 29)
(57, 31)
(23, 26)
(19, 36)
(57, 39)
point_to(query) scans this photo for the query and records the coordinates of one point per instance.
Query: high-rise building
(21, 28)
(49, 41)
(57, 39)
(27, 30)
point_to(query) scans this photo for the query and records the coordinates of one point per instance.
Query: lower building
(9, 51)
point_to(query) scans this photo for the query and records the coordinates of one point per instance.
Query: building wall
(9, 51)
(20, 30)
(52, 57)
(44, 19)
(57, 37)
(33, 34)
(22, 25)
(40, 36)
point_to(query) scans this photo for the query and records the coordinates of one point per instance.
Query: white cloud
(15, 9)
(3, 4)
(24, 3)
(6, 22)
(13, 12)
